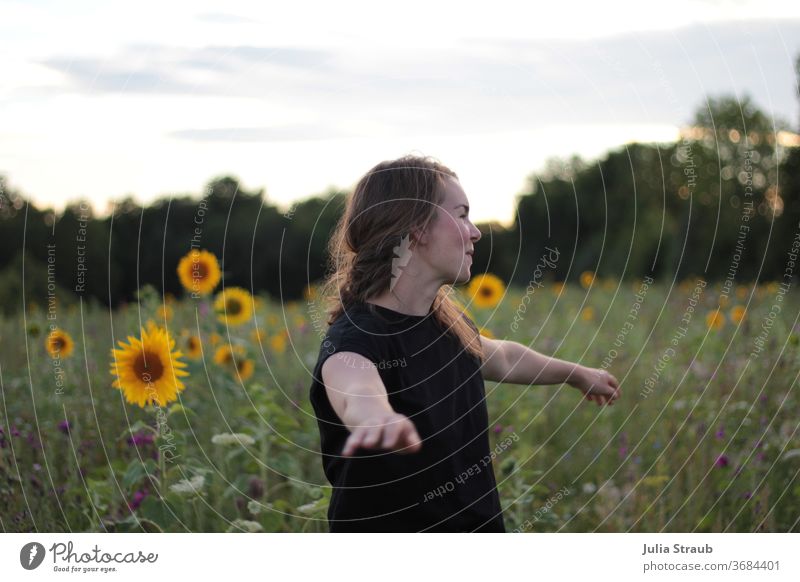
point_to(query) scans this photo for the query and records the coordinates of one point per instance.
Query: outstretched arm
(359, 398)
(513, 363)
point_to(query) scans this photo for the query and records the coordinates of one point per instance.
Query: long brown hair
(393, 199)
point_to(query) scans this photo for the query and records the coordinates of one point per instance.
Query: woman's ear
(419, 237)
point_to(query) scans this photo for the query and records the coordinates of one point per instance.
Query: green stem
(263, 465)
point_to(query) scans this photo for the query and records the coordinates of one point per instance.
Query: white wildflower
(234, 438)
(255, 507)
(790, 454)
(189, 486)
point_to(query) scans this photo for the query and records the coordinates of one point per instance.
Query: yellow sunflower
(737, 314)
(557, 288)
(199, 272)
(715, 319)
(234, 305)
(310, 292)
(164, 312)
(587, 278)
(191, 343)
(214, 338)
(486, 332)
(278, 343)
(245, 369)
(225, 355)
(587, 314)
(148, 369)
(259, 335)
(59, 344)
(486, 290)
(742, 291)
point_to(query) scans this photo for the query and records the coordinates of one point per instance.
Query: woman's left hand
(597, 385)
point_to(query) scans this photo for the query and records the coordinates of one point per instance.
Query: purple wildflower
(64, 426)
(142, 438)
(722, 461)
(498, 428)
(720, 434)
(138, 497)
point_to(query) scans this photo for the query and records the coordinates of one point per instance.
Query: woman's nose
(476, 234)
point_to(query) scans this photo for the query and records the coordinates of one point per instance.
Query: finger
(410, 438)
(390, 436)
(373, 437)
(353, 442)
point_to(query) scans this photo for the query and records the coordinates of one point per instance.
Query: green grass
(711, 445)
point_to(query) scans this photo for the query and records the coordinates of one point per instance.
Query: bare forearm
(527, 366)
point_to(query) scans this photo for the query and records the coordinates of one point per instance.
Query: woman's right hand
(385, 430)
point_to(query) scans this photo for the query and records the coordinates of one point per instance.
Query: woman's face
(452, 236)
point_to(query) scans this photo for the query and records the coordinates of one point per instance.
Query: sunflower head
(226, 355)
(738, 313)
(278, 343)
(199, 272)
(164, 312)
(234, 306)
(715, 319)
(486, 290)
(191, 344)
(59, 344)
(587, 278)
(245, 368)
(148, 368)
(587, 314)
(310, 292)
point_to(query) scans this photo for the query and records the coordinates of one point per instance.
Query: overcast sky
(105, 99)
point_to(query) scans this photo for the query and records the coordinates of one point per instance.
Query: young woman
(398, 386)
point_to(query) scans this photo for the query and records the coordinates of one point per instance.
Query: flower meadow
(192, 413)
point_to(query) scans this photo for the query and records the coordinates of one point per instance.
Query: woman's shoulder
(357, 318)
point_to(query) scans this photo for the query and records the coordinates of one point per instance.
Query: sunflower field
(192, 414)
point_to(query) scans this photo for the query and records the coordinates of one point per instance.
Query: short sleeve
(349, 339)
(339, 338)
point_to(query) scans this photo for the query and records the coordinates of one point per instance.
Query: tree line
(722, 202)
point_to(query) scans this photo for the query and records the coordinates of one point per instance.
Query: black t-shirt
(449, 484)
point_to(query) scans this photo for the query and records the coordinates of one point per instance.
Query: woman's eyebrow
(466, 207)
